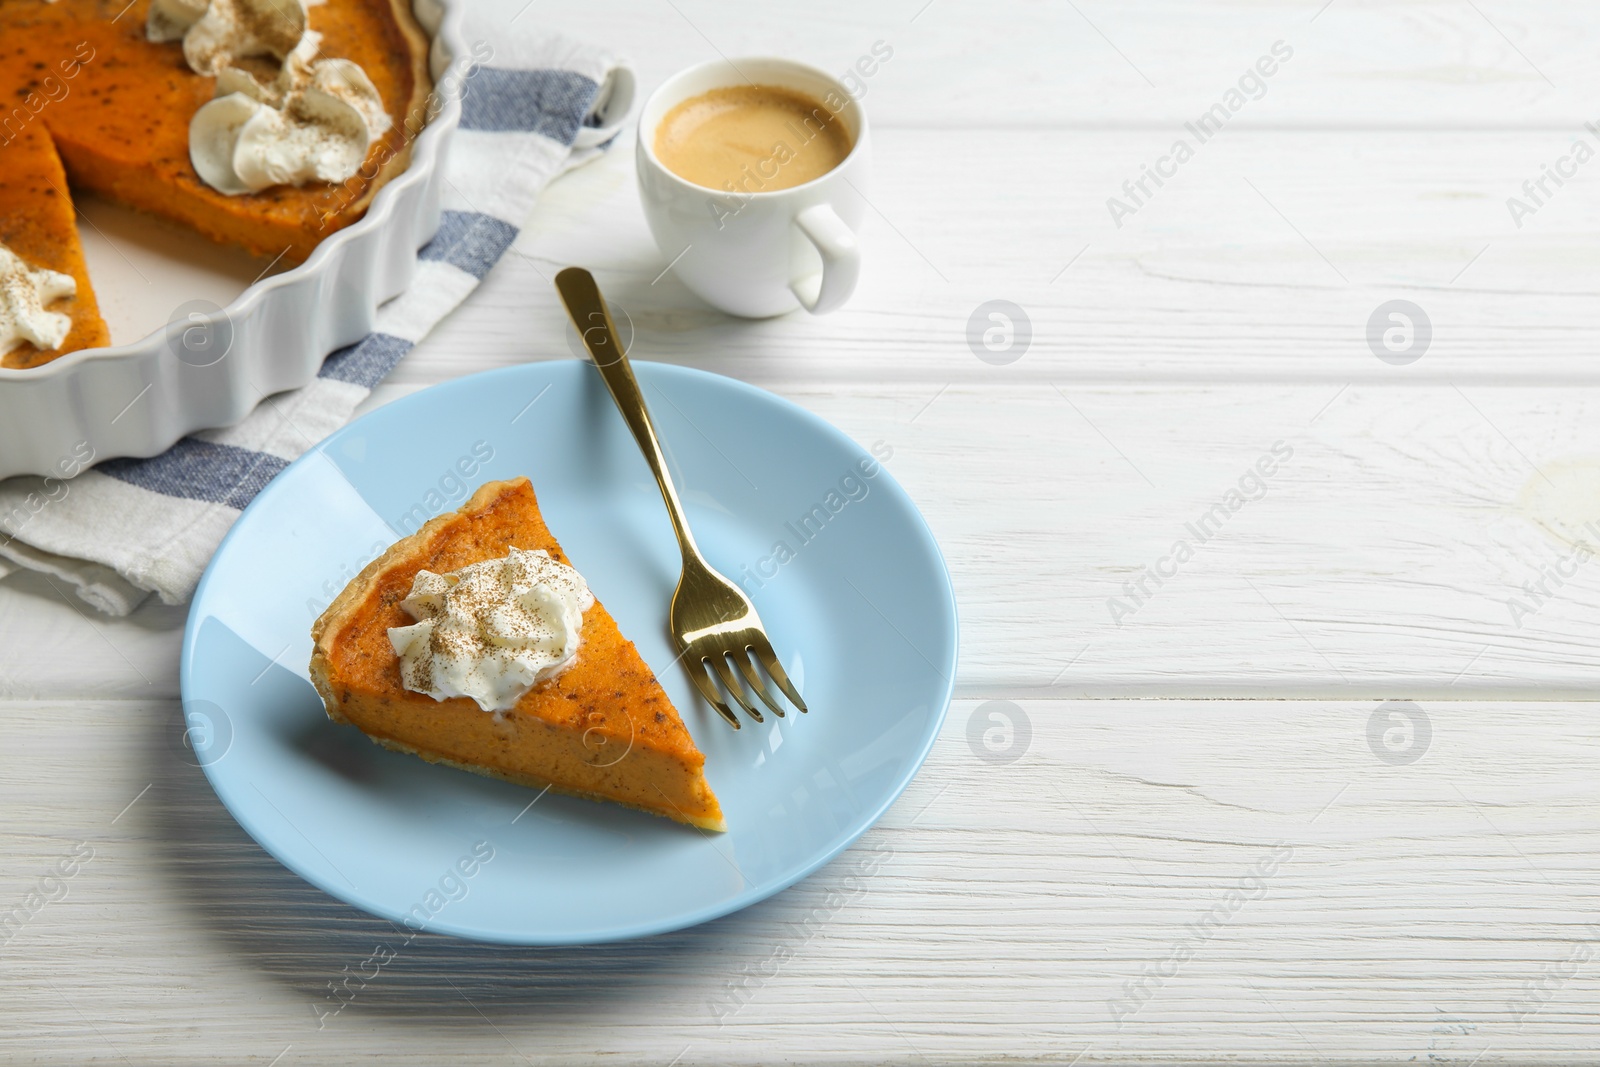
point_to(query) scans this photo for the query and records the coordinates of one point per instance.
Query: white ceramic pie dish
(138, 399)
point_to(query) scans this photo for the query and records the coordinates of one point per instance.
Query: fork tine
(719, 663)
(769, 659)
(708, 689)
(753, 676)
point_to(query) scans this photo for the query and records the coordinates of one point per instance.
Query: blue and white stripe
(134, 526)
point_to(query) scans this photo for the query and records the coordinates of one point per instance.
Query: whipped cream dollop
(491, 630)
(281, 115)
(26, 292)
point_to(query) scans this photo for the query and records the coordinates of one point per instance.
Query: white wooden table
(1213, 841)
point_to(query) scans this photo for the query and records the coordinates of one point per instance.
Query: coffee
(751, 139)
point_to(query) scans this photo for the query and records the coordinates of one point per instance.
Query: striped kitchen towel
(535, 105)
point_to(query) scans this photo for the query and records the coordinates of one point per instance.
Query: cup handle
(841, 260)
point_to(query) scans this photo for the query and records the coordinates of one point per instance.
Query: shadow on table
(348, 963)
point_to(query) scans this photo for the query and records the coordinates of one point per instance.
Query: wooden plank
(1027, 63)
(1264, 259)
(1440, 908)
(1300, 540)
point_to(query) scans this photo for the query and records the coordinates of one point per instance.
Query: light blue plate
(856, 600)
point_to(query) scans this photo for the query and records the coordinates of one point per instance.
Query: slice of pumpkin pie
(47, 307)
(474, 643)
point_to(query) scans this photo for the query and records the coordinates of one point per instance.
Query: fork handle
(592, 319)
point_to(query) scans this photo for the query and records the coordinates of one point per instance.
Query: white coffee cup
(760, 253)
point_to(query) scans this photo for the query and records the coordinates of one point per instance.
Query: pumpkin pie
(36, 224)
(602, 727)
(84, 91)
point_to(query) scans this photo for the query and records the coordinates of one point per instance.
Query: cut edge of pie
(37, 224)
(561, 734)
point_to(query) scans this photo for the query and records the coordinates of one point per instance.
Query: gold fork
(711, 619)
